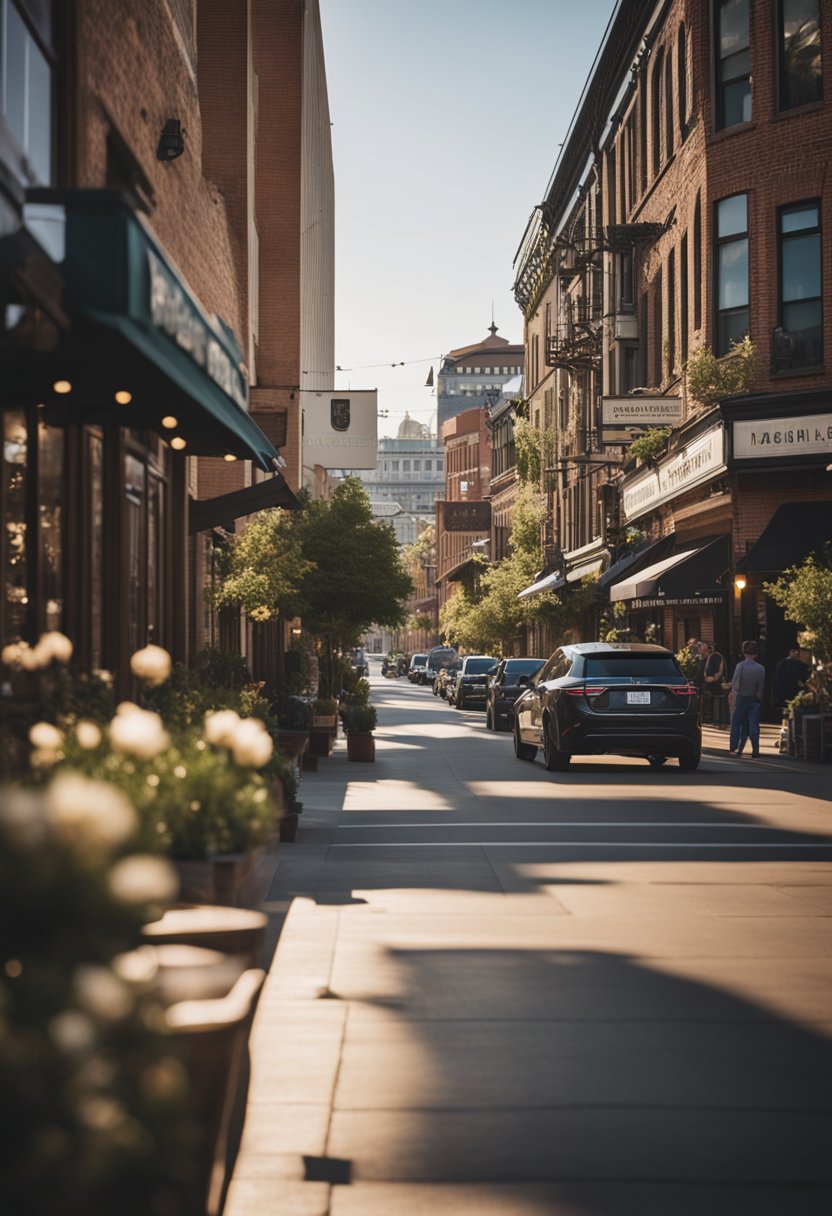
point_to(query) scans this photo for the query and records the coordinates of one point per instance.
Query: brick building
(463, 517)
(159, 165)
(696, 220)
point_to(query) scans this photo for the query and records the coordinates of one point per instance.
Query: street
(499, 990)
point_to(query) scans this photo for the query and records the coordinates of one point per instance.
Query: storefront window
(134, 489)
(96, 551)
(50, 524)
(13, 486)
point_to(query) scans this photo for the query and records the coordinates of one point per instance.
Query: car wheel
(460, 700)
(689, 761)
(657, 761)
(555, 761)
(523, 751)
(489, 718)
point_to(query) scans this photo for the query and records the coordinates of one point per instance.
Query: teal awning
(139, 329)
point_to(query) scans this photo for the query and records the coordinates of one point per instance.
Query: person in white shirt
(747, 687)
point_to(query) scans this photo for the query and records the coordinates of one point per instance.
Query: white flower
(143, 879)
(220, 726)
(89, 812)
(44, 757)
(24, 814)
(54, 645)
(102, 993)
(251, 744)
(87, 734)
(72, 1031)
(138, 732)
(31, 659)
(44, 735)
(12, 655)
(152, 665)
(137, 966)
(103, 676)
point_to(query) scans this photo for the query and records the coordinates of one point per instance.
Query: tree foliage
(356, 576)
(265, 567)
(805, 594)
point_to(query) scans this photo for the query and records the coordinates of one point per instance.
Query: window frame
(782, 240)
(780, 52)
(720, 82)
(720, 242)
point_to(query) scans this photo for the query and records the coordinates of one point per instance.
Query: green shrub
(359, 719)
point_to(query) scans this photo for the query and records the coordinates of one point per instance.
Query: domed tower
(409, 428)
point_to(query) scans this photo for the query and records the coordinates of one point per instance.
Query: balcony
(578, 347)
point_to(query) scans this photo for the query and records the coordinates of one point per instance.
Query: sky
(447, 119)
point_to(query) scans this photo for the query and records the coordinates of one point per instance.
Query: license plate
(638, 698)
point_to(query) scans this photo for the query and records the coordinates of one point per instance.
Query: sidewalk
(473, 1031)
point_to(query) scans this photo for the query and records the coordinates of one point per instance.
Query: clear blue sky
(447, 118)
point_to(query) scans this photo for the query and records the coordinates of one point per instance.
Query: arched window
(656, 103)
(668, 105)
(682, 73)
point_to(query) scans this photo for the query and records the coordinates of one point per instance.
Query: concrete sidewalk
(500, 1032)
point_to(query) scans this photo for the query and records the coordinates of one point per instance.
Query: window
(26, 76)
(731, 271)
(683, 299)
(657, 331)
(682, 74)
(801, 82)
(405, 466)
(656, 100)
(800, 340)
(394, 465)
(611, 186)
(697, 263)
(668, 105)
(733, 64)
(625, 282)
(671, 312)
(642, 137)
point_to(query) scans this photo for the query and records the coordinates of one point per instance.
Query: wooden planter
(288, 827)
(321, 741)
(361, 746)
(325, 722)
(214, 880)
(292, 745)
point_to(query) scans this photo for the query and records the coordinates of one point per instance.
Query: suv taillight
(684, 690)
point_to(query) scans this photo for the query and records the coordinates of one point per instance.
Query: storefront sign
(340, 428)
(678, 601)
(772, 438)
(641, 411)
(699, 461)
(466, 516)
(174, 311)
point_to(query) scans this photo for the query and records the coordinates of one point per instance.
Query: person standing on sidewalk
(790, 676)
(713, 673)
(746, 701)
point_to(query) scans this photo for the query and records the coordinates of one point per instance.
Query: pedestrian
(746, 701)
(713, 673)
(790, 676)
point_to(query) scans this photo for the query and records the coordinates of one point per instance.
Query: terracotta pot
(361, 746)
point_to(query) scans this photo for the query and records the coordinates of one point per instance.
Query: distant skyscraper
(475, 375)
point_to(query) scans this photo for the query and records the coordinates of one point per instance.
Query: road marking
(576, 844)
(560, 823)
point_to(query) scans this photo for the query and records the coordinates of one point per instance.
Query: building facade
(411, 475)
(463, 517)
(153, 180)
(473, 376)
(697, 221)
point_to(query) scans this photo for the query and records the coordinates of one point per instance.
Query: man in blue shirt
(747, 699)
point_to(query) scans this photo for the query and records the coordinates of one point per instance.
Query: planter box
(361, 747)
(292, 745)
(321, 741)
(288, 828)
(214, 880)
(325, 722)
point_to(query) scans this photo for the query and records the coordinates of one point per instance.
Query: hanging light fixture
(178, 443)
(62, 386)
(123, 397)
(170, 423)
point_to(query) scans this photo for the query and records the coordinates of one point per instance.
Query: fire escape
(577, 343)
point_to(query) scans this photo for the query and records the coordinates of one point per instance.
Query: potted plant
(324, 727)
(294, 720)
(359, 724)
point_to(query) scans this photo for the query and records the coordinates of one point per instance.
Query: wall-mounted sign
(466, 516)
(340, 428)
(677, 601)
(770, 438)
(176, 313)
(640, 411)
(699, 461)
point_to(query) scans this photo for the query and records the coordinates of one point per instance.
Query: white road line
(574, 844)
(557, 823)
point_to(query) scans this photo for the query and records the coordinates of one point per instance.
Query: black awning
(693, 573)
(217, 512)
(794, 531)
(633, 562)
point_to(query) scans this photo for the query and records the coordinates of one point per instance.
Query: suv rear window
(439, 658)
(523, 667)
(478, 666)
(623, 665)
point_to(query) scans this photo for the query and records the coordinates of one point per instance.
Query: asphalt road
(500, 990)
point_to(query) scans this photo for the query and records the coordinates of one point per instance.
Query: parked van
(439, 657)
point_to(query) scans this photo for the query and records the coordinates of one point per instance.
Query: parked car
(504, 689)
(609, 698)
(438, 658)
(416, 671)
(446, 678)
(472, 680)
